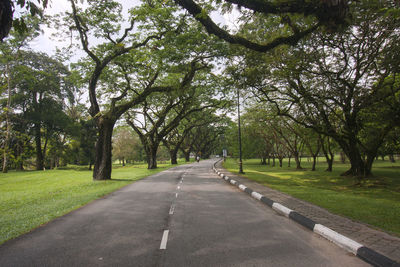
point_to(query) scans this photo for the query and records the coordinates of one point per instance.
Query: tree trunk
(264, 160)
(123, 162)
(314, 162)
(280, 162)
(357, 164)
(289, 160)
(297, 160)
(103, 161)
(391, 158)
(151, 154)
(327, 153)
(152, 159)
(39, 154)
(273, 161)
(173, 154)
(330, 164)
(368, 165)
(342, 157)
(187, 155)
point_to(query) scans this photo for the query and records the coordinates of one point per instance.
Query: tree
(391, 145)
(327, 145)
(7, 19)
(10, 52)
(329, 13)
(111, 63)
(41, 88)
(205, 139)
(124, 143)
(343, 87)
(257, 134)
(87, 139)
(313, 144)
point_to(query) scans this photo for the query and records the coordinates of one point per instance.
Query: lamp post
(239, 134)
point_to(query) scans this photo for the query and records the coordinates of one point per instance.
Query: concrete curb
(368, 255)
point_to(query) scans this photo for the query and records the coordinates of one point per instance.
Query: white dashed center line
(171, 210)
(164, 240)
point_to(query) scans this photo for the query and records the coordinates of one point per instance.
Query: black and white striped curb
(372, 257)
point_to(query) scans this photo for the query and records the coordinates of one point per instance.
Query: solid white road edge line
(338, 239)
(164, 240)
(281, 209)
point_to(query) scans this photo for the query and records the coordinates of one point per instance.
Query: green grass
(375, 201)
(29, 199)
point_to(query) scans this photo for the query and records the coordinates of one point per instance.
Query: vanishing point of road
(185, 216)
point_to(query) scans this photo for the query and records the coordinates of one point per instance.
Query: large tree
(115, 63)
(342, 85)
(40, 90)
(9, 56)
(125, 142)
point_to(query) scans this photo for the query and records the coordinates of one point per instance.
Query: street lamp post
(239, 134)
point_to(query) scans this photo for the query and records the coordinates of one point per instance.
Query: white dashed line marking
(171, 210)
(164, 240)
(176, 195)
(179, 187)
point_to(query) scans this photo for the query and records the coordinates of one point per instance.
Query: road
(185, 216)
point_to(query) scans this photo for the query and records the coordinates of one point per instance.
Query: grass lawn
(376, 201)
(31, 198)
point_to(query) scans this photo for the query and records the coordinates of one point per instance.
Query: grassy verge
(31, 198)
(376, 201)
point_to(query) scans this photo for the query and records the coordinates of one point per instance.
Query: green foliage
(126, 145)
(342, 85)
(40, 90)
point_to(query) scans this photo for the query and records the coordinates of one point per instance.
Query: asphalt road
(185, 216)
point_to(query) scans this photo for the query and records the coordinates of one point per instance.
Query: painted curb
(366, 254)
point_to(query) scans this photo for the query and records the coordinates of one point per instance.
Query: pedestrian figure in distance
(198, 158)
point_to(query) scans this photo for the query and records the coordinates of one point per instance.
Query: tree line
(332, 87)
(326, 69)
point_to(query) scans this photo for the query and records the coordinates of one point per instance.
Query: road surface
(185, 216)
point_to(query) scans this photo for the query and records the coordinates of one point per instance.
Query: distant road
(185, 216)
